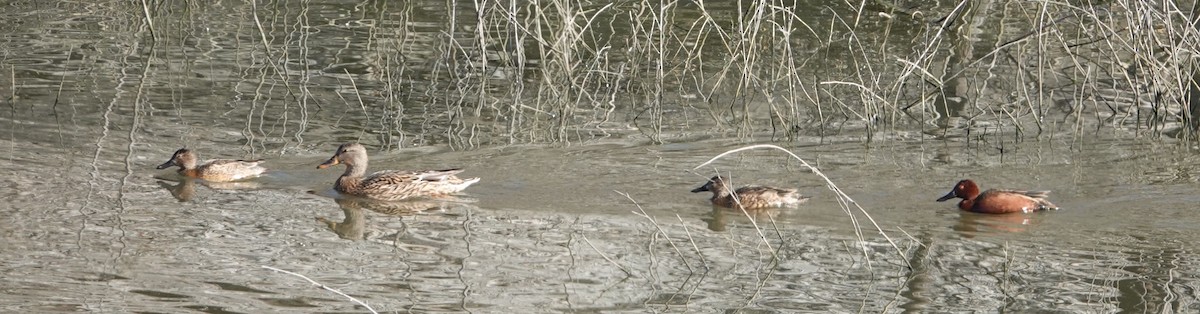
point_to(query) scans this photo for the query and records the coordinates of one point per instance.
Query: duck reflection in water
(971, 224)
(354, 225)
(720, 217)
(185, 189)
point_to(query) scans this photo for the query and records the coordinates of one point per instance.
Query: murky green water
(583, 209)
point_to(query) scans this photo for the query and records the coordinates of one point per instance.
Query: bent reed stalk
(844, 200)
(323, 286)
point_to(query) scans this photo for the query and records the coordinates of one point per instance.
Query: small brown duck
(750, 197)
(390, 185)
(216, 170)
(997, 201)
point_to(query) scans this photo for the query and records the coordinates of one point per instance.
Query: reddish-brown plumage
(996, 201)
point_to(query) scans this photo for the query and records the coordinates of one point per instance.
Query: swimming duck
(216, 170)
(996, 201)
(749, 196)
(390, 185)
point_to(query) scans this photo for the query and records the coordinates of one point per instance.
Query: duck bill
(702, 188)
(947, 196)
(333, 161)
(166, 165)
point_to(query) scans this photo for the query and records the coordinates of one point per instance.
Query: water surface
(579, 210)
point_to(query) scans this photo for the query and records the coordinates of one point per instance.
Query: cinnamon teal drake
(390, 185)
(994, 201)
(749, 197)
(216, 170)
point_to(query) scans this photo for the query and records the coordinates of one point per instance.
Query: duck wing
(1000, 197)
(771, 196)
(766, 190)
(406, 176)
(400, 184)
(1031, 194)
(231, 169)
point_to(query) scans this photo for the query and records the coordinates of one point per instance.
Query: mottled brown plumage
(216, 170)
(390, 185)
(749, 197)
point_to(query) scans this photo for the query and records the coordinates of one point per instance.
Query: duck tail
(1036, 194)
(1047, 205)
(463, 184)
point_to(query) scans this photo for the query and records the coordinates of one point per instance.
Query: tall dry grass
(562, 70)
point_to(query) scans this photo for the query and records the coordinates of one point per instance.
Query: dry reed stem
(642, 212)
(588, 61)
(358, 97)
(844, 200)
(693, 242)
(770, 270)
(605, 256)
(149, 20)
(315, 283)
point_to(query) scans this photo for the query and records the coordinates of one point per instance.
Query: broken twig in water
(314, 282)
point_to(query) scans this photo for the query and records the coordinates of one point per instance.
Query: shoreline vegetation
(469, 74)
(562, 70)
